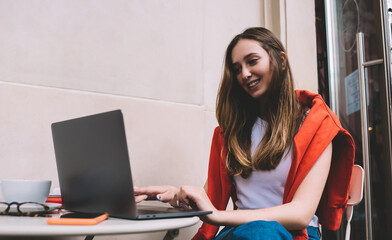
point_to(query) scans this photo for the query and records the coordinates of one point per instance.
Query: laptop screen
(93, 164)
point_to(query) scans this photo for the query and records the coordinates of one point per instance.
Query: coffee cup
(20, 190)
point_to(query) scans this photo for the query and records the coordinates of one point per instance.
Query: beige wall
(301, 42)
(158, 61)
(294, 22)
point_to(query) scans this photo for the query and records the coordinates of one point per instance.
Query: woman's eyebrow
(250, 55)
(246, 57)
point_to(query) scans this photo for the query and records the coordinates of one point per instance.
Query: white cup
(17, 190)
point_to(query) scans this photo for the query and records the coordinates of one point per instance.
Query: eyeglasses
(32, 209)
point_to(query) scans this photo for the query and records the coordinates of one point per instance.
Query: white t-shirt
(263, 189)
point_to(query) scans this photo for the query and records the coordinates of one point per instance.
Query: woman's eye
(253, 61)
(237, 70)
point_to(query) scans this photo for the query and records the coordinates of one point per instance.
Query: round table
(37, 226)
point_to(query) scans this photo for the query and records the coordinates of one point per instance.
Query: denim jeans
(261, 230)
(313, 233)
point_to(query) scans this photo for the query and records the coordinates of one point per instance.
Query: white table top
(37, 226)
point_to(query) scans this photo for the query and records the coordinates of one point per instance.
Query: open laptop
(94, 169)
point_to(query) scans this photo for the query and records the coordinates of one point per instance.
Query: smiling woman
(256, 61)
(271, 153)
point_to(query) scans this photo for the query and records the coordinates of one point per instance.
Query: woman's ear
(283, 57)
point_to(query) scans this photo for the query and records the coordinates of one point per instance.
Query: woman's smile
(252, 85)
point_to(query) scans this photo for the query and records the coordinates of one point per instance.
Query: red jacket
(321, 126)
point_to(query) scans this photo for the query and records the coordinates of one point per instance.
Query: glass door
(358, 49)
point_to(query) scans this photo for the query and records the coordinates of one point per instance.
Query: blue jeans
(313, 233)
(261, 230)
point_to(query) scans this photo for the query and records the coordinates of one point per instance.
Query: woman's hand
(164, 193)
(187, 197)
(197, 199)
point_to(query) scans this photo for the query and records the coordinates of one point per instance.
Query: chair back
(355, 195)
(356, 187)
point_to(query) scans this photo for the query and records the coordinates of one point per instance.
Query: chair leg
(349, 213)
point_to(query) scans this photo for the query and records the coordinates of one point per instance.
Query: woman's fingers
(194, 197)
(187, 196)
(166, 196)
(140, 198)
(163, 193)
(144, 192)
(149, 190)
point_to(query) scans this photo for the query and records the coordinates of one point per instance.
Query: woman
(279, 154)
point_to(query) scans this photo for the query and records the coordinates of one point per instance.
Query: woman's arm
(293, 215)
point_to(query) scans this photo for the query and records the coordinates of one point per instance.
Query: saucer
(31, 207)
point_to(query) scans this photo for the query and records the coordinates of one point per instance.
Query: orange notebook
(77, 219)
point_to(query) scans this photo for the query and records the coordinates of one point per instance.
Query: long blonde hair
(236, 111)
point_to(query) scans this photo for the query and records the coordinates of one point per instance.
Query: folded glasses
(32, 209)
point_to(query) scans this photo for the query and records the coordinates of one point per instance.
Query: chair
(355, 195)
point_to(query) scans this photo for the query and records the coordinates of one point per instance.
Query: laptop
(94, 169)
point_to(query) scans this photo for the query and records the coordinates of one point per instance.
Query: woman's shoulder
(314, 105)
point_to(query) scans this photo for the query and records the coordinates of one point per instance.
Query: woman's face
(251, 65)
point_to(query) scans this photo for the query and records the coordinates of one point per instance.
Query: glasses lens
(31, 207)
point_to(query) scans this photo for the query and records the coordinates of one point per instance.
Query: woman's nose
(245, 73)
